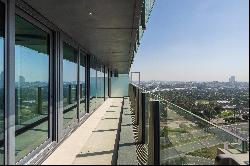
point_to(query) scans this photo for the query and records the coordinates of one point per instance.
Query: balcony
(146, 129)
(97, 138)
(65, 96)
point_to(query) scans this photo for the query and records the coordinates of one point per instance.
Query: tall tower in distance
(232, 79)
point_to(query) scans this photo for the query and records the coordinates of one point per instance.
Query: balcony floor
(94, 141)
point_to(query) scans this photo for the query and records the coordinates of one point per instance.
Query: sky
(30, 64)
(195, 40)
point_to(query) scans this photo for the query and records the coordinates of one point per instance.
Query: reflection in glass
(32, 83)
(69, 85)
(100, 86)
(2, 31)
(82, 107)
(119, 85)
(93, 85)
(106, 84)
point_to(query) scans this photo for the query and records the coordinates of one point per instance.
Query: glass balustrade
(186, 138)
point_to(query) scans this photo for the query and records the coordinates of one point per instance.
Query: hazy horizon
(204, 40)
(189, 81)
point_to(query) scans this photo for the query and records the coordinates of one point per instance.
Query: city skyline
(195, 41)
(226, 80)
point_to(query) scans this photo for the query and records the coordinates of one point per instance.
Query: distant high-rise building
(232, 79)
(21, 80)
(1, 79)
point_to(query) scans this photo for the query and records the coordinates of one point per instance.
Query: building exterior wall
(49, 83)
(52, 83)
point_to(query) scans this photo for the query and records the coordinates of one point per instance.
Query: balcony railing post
(142, 118)
(131, 93)
(244, 146)
(81, 85)
(76, 93)
(133, 100)
(154, 133)
(69, 96)
(39, 100)
(137, 98)
(17, 119)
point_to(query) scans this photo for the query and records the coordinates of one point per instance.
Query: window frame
(82, 52)
(93, 63)
(5, 115)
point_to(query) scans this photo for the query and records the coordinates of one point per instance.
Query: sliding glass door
(93, 85)
(82, 106)
(2, 52)
(69, 85)
(100, 85)
(32, 79)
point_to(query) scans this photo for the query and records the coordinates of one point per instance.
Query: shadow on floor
(110, 111)
(111, 118)
(114, 106)
(127, 125)
(105, 130)
(94, 154)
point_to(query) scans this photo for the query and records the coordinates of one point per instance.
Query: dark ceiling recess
(106, 28)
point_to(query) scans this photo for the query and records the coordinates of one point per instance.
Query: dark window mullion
(10, 83)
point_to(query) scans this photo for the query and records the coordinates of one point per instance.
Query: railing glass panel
(186, 138)
(148, 8)
(119, 85)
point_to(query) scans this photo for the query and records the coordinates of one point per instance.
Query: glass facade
(82, 106)
(145, 16)
(45, 108)
(69, 85)
(32, 87)
(96, 84)
(148, 8)
(2, 37)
